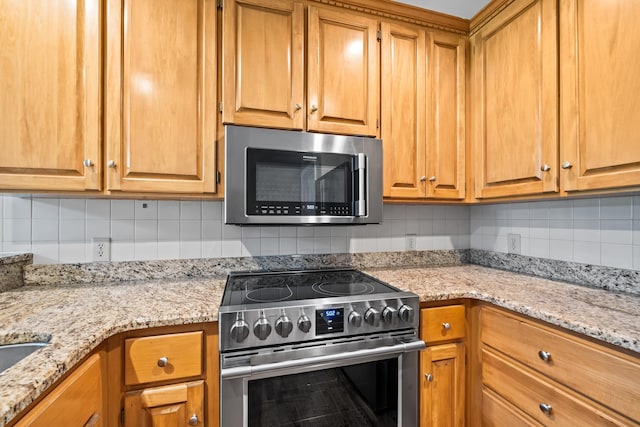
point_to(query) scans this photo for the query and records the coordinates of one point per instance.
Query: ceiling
(462, 8)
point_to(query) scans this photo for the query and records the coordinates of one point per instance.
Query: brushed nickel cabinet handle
(545, 168)
(544, 356)
(111, 164)
(163, 361)
(193, 421)
(446, 326)
(428, 377)
(298, 107)
(432, 179)
(567, 165)
(314, 109)
(87, 163)
(546, 408)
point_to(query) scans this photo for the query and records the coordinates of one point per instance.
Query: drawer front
(497, 412)
(162, 357)
(528, 391)
(442, 323)
(583, 366)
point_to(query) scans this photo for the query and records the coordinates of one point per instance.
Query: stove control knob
(304, 324)
(355, 319)
(372, 317)
(239, 331)
(388, 314)
(262, 328)
(284, 326)
(406, 313)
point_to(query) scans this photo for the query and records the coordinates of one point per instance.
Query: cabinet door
(442, 392)
(77, 401)
(343, 72)
(50, 95)
(446, 116)
(403, 111)
(515, 110)
(168, 406)
(263, 78)
(600, 94)
(161, 95)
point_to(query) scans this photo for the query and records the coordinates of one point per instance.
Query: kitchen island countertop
(77, 318)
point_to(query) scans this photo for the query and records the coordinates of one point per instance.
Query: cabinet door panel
(161, 95)
(515, 120)
(404, 120)
(442, 392)
(263, 63)
(446, 131)
(343, 89)
(600, 47)
(50, 94)
(168, 406)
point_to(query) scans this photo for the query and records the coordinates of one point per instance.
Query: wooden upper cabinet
(403, 77)
(343, 78)
(161, 96)
(600, 94)
(50, 95)
(263, 60)
(446, 116)
(515, 107)
(423, 112)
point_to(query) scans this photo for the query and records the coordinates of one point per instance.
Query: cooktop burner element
(261, 309)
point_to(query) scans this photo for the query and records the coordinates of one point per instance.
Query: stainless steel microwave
(291, 177)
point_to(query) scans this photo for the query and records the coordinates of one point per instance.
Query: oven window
(354, 396)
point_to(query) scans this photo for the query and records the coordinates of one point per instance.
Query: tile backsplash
(601, 231)
(59, 230)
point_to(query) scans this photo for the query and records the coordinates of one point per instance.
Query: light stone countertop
(78, 318)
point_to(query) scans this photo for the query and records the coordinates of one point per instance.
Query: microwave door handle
(360, 201)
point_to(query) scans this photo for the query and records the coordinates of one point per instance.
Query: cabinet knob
(546, 408)
(566, 165)
(432, 179)
(87, 163)
(298, 107)
(314, 108)
(163, 361)
(446, 326)
(423, 178)
(193, 421)
(428, 377)
(545, 356)
(545, 168)
(111, 164)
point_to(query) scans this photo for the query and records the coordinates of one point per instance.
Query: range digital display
(329, 321)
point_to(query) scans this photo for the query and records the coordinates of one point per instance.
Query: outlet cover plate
(513, 241)
(101, 249)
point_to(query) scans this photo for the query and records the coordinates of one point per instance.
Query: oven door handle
(245, 371)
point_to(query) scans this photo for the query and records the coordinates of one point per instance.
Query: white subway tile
(521, 227)
(426, 212)
(520, 211)
(169, 250)
(539, 210)
(539, 247)
(616, 231)
(144, 251)
(322, 245)
(288, 246)
(212, 249)
(464, 227)
(561, 210)
(502, 227)
(45, 209)
(269, 232)
(251, 246)
(190, 249)
(212, 210)
(98, 209)
(500, 244)
(398, 211)
(636, 232)
(586, 230)
(73, 209)
(636, 208)
(305, 244)
(72, 230)
(539, 229)
(304, 231)
(464, 241)
(439, 212)
(616, 208)
(464, 212)
(322, 231)
(561, 250)
(383, 244)
(289, 231)
(16, 247)
(339, 244)
(424, 242)
(231, 248)
(72, 252)
(413, 212)
(586, 252)
(561, 229)
(398, 228)
(616, 255)
(190, 231)
(122, 230)
(146, 210)
(231, 232)
(211, 230)
(17, 207)
(146, 231)
(190, 210)
(122, 251)
(45, 253)
(269, 246)
(398, 243)
(122, 209)
(169, 230)
(475, 241)
(636, 257)
(44, 230)
(168, 209)
(17, 230)
(250, 232)
(98, 228)
(425, 227)
(586, 209)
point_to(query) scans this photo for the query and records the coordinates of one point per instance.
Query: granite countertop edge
(76, 319)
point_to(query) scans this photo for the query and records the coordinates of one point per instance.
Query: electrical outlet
(410, 242)
(513, 240)
(101, 249)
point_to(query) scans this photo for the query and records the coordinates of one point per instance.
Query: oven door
(359, 385)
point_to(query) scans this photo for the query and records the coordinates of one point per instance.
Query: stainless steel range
(315, 348)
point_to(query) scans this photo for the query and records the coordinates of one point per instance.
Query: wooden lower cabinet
(442, 379)
(535, 374)
(77, 401)
(168, 406)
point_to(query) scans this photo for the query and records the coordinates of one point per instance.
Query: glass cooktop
(269, 287)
